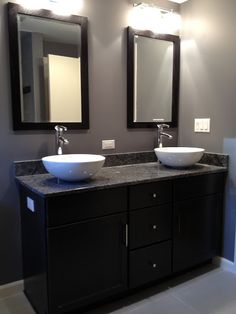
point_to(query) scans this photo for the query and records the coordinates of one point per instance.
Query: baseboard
(11, 289)
(224, 264)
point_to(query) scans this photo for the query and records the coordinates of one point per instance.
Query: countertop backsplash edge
(34, 167)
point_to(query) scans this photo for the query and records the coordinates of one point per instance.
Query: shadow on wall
(230, 199)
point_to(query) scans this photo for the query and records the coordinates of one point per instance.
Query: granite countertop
(46, 185)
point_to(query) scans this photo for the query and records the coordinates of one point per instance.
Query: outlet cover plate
(108, 144)
(202, 125)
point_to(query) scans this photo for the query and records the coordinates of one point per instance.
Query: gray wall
(107, 89)
(208, 76)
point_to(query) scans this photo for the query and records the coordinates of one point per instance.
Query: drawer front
(200, 185)
(150, 194)
(149, 264)
(150, 225)
(81, 206)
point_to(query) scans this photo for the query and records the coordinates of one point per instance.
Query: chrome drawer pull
(126, 235)
(154, 265)
(154, 227)
(154, 195)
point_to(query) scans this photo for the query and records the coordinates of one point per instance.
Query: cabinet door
(87, 262)
(196, 231)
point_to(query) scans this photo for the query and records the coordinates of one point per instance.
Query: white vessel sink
(73, 167)
(179, 156)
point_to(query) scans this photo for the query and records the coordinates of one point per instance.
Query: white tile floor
(206, 291)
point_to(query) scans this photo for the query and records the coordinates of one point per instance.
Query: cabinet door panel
(196, 231)
(150, 225)
(87, 261)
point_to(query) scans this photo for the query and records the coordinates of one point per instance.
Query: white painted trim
(11, 289)
(225, 264)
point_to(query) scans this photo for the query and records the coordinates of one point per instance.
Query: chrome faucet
(161, 134)
(60, 139)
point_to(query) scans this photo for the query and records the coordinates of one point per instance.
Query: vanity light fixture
(60, 7)
(66, 7)
(157, 19)
(33, 5)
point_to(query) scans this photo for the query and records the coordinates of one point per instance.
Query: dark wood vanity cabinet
(80, 248)
(197, 220)
(79, 244)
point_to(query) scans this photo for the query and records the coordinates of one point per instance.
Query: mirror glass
(50, 70)
(153, 66)
(52, 65)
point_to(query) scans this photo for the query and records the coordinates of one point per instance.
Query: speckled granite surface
(29, 167)
(47, 185)
(33, 167)
(129, 158)
(213, 159)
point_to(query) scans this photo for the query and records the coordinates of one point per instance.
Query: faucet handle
(162, 126)
(60, 128)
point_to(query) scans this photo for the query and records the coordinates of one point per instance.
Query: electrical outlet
(30, 204)
(202, 125)
(108, 144)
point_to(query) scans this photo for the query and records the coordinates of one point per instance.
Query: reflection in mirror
(52, 63)
(49, 52)
(153, 78)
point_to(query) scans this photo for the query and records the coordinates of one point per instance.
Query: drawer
(150, 225)
(199, 185)
(150, 194)
(71, 208)
(149, 264)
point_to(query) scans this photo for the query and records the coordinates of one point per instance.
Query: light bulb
(33, 5)
(152, 18)
(66, 7)
(172, 22)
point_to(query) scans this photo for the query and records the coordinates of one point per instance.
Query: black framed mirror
(49, 69)
(153, 65)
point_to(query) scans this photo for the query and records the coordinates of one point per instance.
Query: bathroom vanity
(130, 226)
